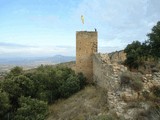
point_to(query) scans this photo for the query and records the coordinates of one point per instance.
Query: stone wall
(106, 74)
(86, 45)
(118, 56)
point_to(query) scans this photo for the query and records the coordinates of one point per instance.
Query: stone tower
(86, 45)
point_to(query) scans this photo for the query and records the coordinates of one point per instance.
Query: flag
(82, 18)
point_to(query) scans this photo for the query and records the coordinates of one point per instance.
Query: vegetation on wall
(128, 79)
(150, 97)
(25, 94)
(137, 53)
(153, 112)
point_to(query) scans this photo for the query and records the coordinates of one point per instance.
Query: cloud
(123, 20)
(7, 49)
(16, 50)
(13, 45)
(54, 23)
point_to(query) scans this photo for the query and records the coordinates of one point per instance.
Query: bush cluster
(128, 79)
(153, 98)
(26, 94)
(138, 53)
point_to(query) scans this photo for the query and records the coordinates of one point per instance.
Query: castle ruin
(86, 46)
(105, 71)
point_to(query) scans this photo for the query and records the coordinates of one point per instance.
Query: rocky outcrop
(150, 80)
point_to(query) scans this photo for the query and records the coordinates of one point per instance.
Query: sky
(48, 27)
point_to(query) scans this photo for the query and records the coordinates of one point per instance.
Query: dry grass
(88, 102)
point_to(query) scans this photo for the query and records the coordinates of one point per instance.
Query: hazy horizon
(36, 28)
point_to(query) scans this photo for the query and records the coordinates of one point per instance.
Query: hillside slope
(86, 104)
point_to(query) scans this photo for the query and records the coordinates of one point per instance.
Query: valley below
(33, 62)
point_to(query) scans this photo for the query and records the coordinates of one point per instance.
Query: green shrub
(4, 104)
(16, 70)
(136, 85)
(46, 83)
(82, 80)
(70, 86)
(125, 79)
(31, 109)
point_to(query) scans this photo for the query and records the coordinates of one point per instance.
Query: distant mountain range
(61, 58)
(36, 60)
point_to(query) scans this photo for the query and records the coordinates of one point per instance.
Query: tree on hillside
(154, 40)
(15, 72)
(4, 104)
(28, 92)
(16, 87)
(134, 53)
(146, 52)
(31, 109)
(70, 86)
(137, 53)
